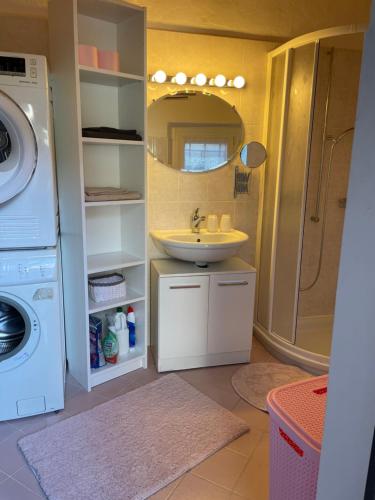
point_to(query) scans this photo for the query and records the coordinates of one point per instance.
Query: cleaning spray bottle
(131, 326)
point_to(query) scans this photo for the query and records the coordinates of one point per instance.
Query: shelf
(111, 261)
(111, 142)
(127, 363)
(131, 297)
(113, 203)
(107, 77)
(112, 235)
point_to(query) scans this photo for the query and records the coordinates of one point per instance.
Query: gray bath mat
(253, 382)
(132, 446)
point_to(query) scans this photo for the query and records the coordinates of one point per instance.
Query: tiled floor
(236, 472)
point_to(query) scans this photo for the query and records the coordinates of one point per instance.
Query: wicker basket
(107, 287)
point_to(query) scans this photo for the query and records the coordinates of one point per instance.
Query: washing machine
(28, 205)
(32, 351)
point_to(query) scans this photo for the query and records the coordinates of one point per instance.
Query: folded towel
(110, 194)
(111, 133)
(104, 190)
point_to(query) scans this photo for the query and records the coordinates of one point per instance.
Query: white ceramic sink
(199, 248)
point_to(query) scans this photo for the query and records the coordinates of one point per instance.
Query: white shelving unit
(100, 237)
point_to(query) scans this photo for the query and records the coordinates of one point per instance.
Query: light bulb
(211, 82)
(180, 78)
(200, 79)
(220, 80)
(159, 77)
(239, 82)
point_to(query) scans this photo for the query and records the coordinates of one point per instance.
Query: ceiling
(268, 18)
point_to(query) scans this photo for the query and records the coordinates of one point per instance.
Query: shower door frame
(275, 341)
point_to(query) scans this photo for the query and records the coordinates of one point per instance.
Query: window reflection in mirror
(193, 131)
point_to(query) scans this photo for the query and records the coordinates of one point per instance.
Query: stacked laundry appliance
(32, 351)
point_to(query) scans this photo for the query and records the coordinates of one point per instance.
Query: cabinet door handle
(181, 287)
(233, 283)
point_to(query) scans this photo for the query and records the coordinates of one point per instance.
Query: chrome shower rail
(315, 217)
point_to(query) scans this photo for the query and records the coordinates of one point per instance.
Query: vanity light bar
(200, 80)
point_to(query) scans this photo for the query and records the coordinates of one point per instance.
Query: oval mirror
(253, 154)
(193, 131)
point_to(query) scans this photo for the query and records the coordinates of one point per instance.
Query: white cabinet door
(183, 311)
(231, 306)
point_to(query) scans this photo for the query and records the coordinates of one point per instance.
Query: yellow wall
(283, 18)
(23, 34)
(173, 195)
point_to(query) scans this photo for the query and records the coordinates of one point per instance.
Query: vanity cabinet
(201, 317)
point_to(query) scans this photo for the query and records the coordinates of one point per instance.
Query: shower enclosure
(313, 84)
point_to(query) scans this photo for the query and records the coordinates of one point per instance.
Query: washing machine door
(19, 331)
(18, 149)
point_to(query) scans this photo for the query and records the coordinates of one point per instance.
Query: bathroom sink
(200, 248)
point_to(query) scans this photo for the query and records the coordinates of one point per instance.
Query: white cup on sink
(226, 223)
(212, 223)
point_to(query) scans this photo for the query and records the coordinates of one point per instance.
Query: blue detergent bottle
(131, 326)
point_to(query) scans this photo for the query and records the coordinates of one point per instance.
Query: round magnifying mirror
(253, 154)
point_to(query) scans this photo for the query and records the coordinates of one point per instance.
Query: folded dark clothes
(111, 133)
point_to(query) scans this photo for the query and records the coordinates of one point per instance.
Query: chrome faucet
(196, 220)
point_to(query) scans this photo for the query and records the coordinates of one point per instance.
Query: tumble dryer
(32, 351)
(28, 206)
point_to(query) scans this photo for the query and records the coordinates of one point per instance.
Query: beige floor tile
(11, 458)
(253, 482)
(166, 492)
(195, 488)
(13, 490)
(6, 430)
(223, 468)
(28, 480)
(3, 476)
(246, 443)
(256, 419)
(29, 425)
(215, 382)
(83, 401)
(260, 355)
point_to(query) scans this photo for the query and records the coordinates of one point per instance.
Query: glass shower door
(333, 131)
(291, 189)
(275, 115)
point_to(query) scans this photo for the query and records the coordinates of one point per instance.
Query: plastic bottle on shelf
(110, 346)
(117, 321)
(122, 331)
(131, 326)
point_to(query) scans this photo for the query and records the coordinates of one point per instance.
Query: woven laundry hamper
(297, 420)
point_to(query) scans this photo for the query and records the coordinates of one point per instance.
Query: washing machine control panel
(17, 271)
(23, 70)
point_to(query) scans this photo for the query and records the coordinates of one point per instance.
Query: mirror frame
(230, 159)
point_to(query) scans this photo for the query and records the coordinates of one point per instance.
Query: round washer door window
(18, 150)
(19, 331)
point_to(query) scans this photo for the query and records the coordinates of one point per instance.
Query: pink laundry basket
(297, 419)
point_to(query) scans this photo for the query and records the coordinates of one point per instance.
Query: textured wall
(284, 18)
(173, 195)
